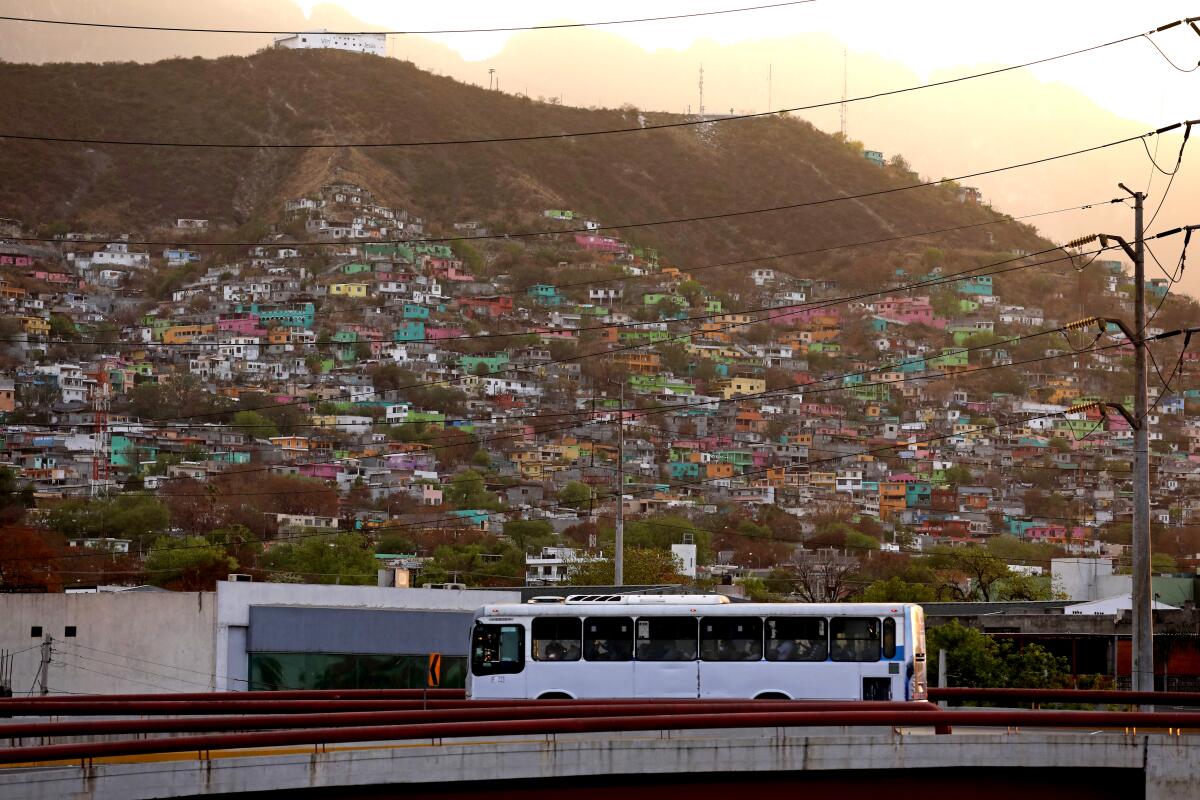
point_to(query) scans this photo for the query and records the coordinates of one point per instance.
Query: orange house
(718, 469)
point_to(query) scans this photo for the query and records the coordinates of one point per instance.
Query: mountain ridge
(328, 96)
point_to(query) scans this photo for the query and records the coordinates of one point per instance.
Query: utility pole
(619, 558)
(1143, 600)
(1143, 597)
(44, 667)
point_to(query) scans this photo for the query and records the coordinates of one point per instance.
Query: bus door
(918, 686)
(665, 662)
(731, 658)
(607, 666)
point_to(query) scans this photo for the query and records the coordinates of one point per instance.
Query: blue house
(978, 285)
(412, 331)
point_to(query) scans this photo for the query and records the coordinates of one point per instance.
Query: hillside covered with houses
(452, 412)
(426, 366)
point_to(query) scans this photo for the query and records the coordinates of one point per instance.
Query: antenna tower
(701, 91)
(100, 436)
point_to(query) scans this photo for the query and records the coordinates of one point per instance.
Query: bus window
(557, 638)
(889, 637)
(731, 639)
(497, 649)
(666, 639)
(608, 639)
(854, 638)
(796, 639)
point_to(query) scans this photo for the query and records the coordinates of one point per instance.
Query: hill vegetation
(280, 96)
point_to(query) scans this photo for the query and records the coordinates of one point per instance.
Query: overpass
(451, 748)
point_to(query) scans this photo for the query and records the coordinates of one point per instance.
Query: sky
(926, 36)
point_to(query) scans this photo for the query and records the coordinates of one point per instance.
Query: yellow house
(35, 326)
(741, 386)
(348, 290)
(184, 334)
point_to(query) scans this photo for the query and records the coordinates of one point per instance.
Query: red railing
(1066, 696)
(475, 712)
(926, 718)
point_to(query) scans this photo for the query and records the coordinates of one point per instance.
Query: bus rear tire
(555, 696)
(772, 696)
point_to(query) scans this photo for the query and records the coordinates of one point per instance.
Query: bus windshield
(497, 649)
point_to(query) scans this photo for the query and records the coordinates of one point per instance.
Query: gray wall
(275, 629)
(125, 642)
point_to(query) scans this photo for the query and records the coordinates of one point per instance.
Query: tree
(395, 543)
(897, 590)
(958, 475)
(575, 495)
(30, 560)
(468, 491)
(14, 498)
(254, 424)
(343, 558)
(643, 566)
(140, 517)
(529, 534)
(977, 660)
(823, 576)
(970, 573)
(192, 563)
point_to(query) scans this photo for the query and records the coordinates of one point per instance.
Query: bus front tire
(555, 696)
(772, 696)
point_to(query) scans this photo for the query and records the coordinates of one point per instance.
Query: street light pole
(619, 558)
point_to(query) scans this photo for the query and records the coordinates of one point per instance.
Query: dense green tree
(254, 424)
(575, 495)
(468, 491)
(644, 566)
(191, 563)
(529, 535)
(395, 543)
(140, 517)
(897, 590)
(976, 659)
(344, 558)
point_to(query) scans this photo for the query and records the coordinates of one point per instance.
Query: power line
(460, 519)
(414, 32)
(652, 223)
(789, 310)
(635, 412)
(215, 345)
(574, 134)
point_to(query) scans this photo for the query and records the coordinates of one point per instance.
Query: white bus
(613, 646)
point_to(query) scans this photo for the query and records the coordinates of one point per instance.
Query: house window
(35, 631)
(69, 632)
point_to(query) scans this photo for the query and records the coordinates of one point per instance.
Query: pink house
(795, 315)
(600, 244)
(15, 260)
(241, 325)
(324, 472)
(1056, 534)
(433, 334)
(908, 311)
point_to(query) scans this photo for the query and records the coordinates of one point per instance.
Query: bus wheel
(555, 696)
(772, 696)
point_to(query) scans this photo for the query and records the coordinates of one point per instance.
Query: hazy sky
(1130, 79)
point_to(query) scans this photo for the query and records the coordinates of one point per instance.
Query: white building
(372, 43)
(119, 254)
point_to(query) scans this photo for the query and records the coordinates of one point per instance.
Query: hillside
(289, 96)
